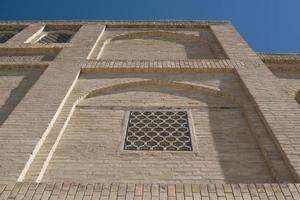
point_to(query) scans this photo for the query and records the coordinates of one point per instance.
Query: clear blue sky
(267, 25)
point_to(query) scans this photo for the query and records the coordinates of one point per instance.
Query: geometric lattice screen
(56, 38)
(159, 130)
(4, 36)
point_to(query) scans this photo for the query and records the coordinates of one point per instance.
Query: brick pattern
(280, 58)
(49, 107)
(202, 65)
(278, 112)
(123, 191)
(89, 81)
(27, 55)
(14, 84)
(153, 44)
(29, 58)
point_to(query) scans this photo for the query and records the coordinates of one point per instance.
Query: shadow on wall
(17, 94)
(161, 45)
(298, 97)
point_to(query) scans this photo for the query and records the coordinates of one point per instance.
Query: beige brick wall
(158, 44)
(259, 136)
(14, 84)
(289, 76)
(225, 148)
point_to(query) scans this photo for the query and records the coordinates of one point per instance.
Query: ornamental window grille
(159, 130)
(56, 37)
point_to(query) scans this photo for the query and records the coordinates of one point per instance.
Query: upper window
(6, 35)
(8, 31)
(54, 34)
(56, 37)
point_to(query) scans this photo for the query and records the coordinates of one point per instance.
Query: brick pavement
(123, 191)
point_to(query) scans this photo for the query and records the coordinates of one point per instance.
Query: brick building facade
(145, 109)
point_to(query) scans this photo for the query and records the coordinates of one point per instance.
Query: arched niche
(160, 45)
(93, 138)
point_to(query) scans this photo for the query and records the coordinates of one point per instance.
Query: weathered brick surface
(70, 164)
(50, 132)
(280, 58)
(202, 65)
(14, 84)
(280, 113)
(40, 104)
(133, 44)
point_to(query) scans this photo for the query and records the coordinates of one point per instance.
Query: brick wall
(44, 121)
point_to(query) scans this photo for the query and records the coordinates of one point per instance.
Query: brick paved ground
(106, 191)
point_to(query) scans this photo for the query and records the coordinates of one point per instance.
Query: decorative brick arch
(196, 47)
(204, 89)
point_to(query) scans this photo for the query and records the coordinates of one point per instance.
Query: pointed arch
(204, 89)
(195, 47)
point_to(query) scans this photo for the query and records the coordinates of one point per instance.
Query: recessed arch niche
(92, 139)
(160, 45)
